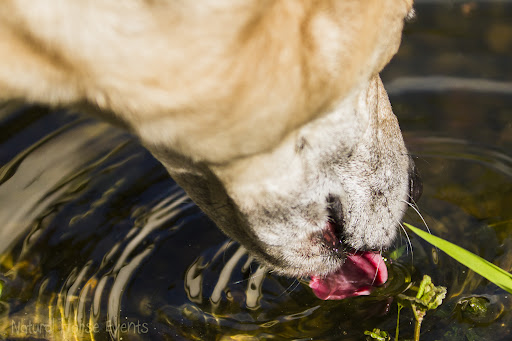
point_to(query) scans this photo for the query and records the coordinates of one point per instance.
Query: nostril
(415, 184)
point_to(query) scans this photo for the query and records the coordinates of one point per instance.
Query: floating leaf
(377, 334)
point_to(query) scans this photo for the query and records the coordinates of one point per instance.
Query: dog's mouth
(361, 271)
(359, 275)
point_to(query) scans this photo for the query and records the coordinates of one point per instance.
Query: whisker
(408, 241)
(252, 276)
(228, 245)
(286, 290)
(377, 268)
(294, 284)
(414, 207)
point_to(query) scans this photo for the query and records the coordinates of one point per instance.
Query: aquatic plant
(427, 297)
(484, 268)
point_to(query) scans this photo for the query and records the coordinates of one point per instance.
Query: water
(97, 242)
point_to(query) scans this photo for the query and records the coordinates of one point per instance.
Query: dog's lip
(359, 275)
(331, 237)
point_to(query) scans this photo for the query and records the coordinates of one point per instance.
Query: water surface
(97, 242)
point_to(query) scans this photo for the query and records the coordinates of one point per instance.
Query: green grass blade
(479, 265)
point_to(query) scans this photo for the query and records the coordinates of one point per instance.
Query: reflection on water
(96, 241)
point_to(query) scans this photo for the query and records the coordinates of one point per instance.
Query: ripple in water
(98, 243)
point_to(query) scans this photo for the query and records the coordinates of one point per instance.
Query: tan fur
(215, 73)
(260, 109)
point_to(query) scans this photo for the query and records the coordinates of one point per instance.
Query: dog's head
(336, 185)
(270, 114)
(305, 195)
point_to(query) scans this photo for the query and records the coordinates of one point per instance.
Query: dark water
(97, 242)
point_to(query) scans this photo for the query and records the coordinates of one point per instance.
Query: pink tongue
(360, 273)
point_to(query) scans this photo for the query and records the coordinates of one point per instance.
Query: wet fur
(260, 110)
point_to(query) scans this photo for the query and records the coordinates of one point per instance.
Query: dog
(270, 114)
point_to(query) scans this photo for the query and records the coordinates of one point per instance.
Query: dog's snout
(415, 184)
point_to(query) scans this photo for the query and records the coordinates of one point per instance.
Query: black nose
(415, 184)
